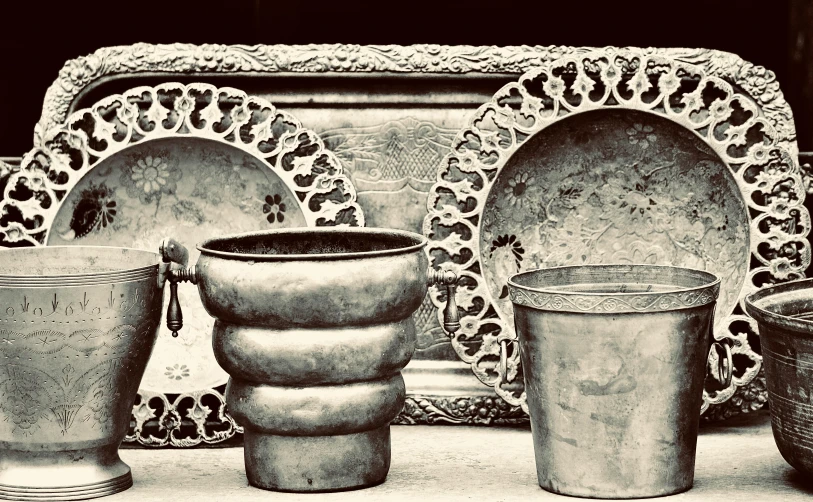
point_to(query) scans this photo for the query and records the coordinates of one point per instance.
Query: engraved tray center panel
(389, 131)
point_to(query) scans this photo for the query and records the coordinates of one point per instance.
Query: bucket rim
(120, 275)
(670, 297)
(419, 240)
(762, 315)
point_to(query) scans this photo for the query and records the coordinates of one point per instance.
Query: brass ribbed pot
(313, 327)
(77, 326)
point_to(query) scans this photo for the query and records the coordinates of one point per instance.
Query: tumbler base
(62, 475)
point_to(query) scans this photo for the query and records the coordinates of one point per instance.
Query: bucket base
(317, 463)
(62, 475)
(618, 495)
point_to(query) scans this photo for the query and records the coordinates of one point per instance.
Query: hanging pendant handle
(447, 279)
(173, 252)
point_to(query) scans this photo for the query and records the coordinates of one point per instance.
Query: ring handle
(503, 361)
(725, 363)
(173, 251)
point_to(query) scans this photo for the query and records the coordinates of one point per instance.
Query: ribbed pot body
(614, 360)
(314, 346)
(786, 337)
(77, 327)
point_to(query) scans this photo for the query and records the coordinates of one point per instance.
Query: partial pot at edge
(77, 327)
(784, 314)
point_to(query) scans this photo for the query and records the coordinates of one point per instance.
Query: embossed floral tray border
(81, 75)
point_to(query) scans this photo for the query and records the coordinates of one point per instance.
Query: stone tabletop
(735, 460)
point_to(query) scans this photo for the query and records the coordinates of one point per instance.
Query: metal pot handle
(451, 319)
(173, 252)
(451, 323)
(504, 360)
(725, 363)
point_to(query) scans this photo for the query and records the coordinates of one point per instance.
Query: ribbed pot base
(317, 463)
(82, 492)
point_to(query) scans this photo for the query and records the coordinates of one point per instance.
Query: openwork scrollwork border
(766, 171)
(81, 74)
(33, 193)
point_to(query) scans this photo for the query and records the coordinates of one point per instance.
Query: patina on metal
(614, 360)
(785, 317)
(313, 327)
(603, 157)
(77, 327)
(392, 153)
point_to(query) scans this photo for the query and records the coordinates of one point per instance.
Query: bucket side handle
(451, 317)
(504, 360)
(725, 363)
(173, 252)
(722, 351)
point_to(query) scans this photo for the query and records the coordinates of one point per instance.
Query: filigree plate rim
(129, 115)
(183, 127)
(505, 118)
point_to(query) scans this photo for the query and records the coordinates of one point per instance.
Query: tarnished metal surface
(603, 157)
(614, 361)
(187, 177)
(785, 317)
(314, 327)
(77, 326)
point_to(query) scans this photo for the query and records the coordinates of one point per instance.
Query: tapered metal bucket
(313, 327)
(77, 326)
(785, 317)
(614, 359)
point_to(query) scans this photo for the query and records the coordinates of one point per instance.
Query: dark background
(37, 37)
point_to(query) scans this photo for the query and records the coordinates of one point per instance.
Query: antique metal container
(614, 360)
(785, 317)
(77, 326)
(313, 327)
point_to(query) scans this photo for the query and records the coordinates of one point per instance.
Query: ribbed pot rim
(678, 288)
(759, 306)
(419, 242)
(83, 279)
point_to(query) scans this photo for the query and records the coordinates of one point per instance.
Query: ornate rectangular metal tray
(390, 113)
